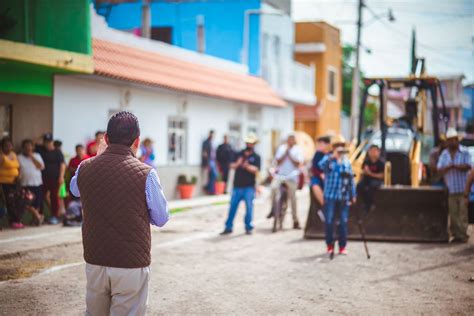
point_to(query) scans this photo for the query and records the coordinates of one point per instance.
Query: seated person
(73, 216)
(372, 178)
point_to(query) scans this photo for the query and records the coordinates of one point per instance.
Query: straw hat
(251, 138)
(338, 140)
(452, 133)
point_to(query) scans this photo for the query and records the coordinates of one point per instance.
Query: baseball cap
(47, 137)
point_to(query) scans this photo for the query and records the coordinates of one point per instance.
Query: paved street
(195, 271)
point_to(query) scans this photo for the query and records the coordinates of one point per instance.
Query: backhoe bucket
(401, 213)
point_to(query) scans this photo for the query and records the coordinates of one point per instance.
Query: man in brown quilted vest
(121, 197)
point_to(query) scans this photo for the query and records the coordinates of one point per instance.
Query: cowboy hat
(338, 140)
(251, 139)
(452, 133)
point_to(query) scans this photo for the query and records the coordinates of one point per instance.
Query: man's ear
(106, 137)
(136, 143)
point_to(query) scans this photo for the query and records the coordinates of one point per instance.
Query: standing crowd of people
(38, 178)
(332, 180)
(333, 183)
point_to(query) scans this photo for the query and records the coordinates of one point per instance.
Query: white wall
(292, 80)
(81, 106)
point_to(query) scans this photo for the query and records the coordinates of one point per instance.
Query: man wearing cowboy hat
(455, 163)
(339, 192)
(246, 167)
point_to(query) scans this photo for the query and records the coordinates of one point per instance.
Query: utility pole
(413, 51)
(356, 77)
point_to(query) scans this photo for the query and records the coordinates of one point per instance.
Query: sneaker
(343, 251)
(53, 220)
(248, 232)
(226, 232)
(17, 225)
(330, 250)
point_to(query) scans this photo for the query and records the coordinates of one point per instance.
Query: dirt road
(197, 272)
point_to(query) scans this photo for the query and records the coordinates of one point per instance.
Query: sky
(444, 31)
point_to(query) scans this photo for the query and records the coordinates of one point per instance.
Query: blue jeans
(238, 194)
(212, 173)
(330, 209)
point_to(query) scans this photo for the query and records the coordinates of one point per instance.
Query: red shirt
(75, 162)
(89, 148)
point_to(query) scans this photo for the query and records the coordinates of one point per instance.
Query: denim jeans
(342, 209)
(212, 176)
(366, 189)
(238, 194)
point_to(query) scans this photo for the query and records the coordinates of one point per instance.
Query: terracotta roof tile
(131, 64)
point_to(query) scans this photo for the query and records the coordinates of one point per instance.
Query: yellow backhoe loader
(405, 209)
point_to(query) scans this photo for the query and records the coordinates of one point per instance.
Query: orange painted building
(318, 43)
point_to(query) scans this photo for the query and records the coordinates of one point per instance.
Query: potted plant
(219, 186)
(186, 187)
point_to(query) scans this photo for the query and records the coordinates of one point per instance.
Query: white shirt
(287, 167)
(30, 176)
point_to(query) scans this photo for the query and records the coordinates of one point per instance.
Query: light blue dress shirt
(155, 199)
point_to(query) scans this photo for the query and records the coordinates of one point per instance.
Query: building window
(176, 140)
(235, 135)
(332, 83)
(5, 120)
(162, 34)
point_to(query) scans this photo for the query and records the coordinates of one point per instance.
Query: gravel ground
(195, 271)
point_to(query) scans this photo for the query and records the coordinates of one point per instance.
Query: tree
(347, 70)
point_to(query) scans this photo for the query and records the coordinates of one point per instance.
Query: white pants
(116, 291)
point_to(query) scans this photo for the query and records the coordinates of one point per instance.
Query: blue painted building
(256, 33)
(177, 24)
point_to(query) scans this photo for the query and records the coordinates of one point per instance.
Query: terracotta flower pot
(186, 191)
(219, 187)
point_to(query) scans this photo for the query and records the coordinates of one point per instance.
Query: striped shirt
(455, 179)
(338, 179)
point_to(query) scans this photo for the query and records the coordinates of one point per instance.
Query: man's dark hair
(123, 128)
(79, 146)
(99, 133)
(25, 142)
(58, 143)
(374, 146)
(324, 139)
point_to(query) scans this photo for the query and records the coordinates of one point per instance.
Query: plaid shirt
(455, 179)
(338, 179)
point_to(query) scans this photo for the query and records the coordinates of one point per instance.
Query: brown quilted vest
(116, 228)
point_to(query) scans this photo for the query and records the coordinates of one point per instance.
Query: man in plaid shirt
(339, 192)
(455, 163)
